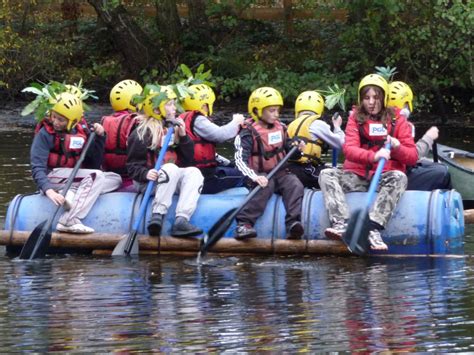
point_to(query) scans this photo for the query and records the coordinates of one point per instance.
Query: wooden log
(469, 216)
(101, 243)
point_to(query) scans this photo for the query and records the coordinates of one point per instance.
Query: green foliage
(386, 72)
(429, 42)
(44, 101)
(46, 95)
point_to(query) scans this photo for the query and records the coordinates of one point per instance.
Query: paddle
(357, 235)
(435, 151)
(38, 242)
(219, 228)
(335, 152)
(128, 245)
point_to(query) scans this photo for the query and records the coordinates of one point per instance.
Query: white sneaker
(77, 228)
(376, 241)
(69, 198)
(337, 231)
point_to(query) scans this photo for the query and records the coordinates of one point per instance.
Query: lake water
(98, 304)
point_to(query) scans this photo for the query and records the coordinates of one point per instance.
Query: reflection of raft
(423, 223)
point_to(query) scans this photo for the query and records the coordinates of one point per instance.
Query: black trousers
(307, 173)
(427, 176)
(283, 183)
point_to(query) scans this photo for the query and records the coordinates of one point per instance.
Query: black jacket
(137, 152)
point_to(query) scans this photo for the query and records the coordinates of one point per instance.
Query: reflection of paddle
(219, 228)
(38, 241)
(435, 151)
(357, 235)
(128, 245)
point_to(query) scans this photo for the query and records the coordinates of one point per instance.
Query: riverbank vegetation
(291, 45)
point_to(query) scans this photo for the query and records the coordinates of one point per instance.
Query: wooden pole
(106, 242)
(469, 216)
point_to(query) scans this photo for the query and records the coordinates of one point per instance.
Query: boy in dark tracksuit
(259, 146)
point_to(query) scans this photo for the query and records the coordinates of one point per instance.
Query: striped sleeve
(243, 150)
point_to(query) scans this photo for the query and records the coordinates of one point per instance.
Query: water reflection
(165, 305)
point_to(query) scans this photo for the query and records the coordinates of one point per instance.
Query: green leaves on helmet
(47, 93)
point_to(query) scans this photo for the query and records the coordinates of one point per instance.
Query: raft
(424, 223)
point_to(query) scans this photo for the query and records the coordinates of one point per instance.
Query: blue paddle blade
(40, 236)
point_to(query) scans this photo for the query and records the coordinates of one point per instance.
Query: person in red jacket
(118, 127)
(371, 125)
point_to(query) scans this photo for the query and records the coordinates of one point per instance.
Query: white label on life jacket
(377, 129)
(76, 142)
(274, 137)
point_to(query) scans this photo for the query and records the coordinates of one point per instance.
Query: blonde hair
(150, 127)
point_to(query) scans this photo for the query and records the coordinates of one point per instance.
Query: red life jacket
(170, 156)
(67, 146)
(373, 134)
(268, 146)
(118, 127)
(204, 151)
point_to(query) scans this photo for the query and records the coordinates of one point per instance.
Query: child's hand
(99, 129)
(433, 133)
(337, 120)
(152, 175)
(56, 197)
(298, 143)
(180, 127)
(382, 153)
(394, 142)
(238, 118)
(262, 180)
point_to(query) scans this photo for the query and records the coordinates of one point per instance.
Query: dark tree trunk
(127, 37)
(288, 11)
(70, 12)
(197, 14)
(167, 21)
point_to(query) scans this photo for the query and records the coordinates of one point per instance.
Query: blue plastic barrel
(423, 222)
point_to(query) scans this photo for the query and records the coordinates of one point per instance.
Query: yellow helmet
(375, 80)
(122, 93)
(74, 90)
(149, 107)
(309, 101)
(400, 94)
(261, 98)
(202, 94)
(69, 106)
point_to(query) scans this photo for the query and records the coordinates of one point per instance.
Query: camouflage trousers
(335, 183)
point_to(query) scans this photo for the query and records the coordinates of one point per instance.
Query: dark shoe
(154, 227)
(182, 228)
(295, 231)
(245, 231)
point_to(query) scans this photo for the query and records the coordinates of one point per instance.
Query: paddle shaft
(64, 190)
(375, 179)
(335, 151)
(146, 196)
(434, 148)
